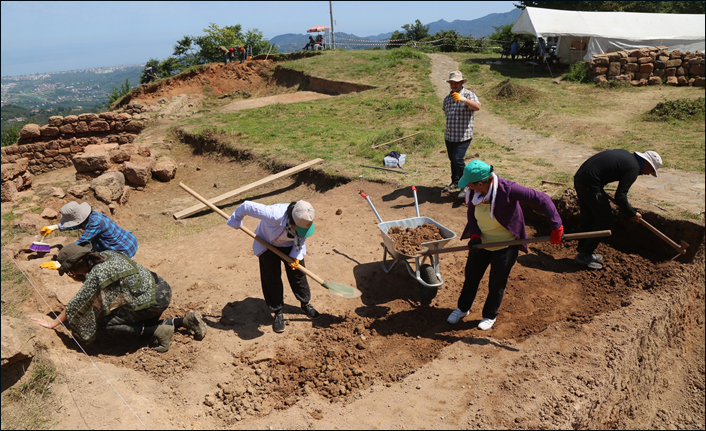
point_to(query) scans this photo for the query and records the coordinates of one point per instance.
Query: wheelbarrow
(427, 275)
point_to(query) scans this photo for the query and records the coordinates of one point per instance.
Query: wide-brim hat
(303, 215)
(653, 159)
(73, 214)
(456, 76)
(70, 254)
(474, 171)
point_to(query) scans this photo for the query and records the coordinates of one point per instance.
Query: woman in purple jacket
(494, 215)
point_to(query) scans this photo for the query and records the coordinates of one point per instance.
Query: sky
(52, 36)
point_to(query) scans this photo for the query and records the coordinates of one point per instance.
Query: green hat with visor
(474, 171)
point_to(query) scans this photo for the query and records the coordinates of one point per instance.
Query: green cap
(475, 171)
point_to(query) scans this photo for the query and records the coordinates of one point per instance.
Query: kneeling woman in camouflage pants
(118, 296)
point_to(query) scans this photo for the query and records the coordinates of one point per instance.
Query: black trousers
(271, 280)
(457, 152)
(123, 320)
(596, 214)
(501, 262)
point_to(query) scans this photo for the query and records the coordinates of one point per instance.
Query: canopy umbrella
(318, 29)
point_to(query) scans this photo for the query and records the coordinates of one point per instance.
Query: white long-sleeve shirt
(272, 227)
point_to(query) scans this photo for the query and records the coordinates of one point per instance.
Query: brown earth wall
(289, 78)
(650, 66)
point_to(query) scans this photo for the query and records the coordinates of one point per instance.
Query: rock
(99, 126)
(165, 169)
(30, 222)
(126, 194)
(16, 344)
(88, 162)
(49, 130)
(137, 172)
(58, 192)
(30, 131)
(8, 190)
(49, 213)
(11, 170)
(134, 126)
(79, 190)
(56, 121)
(87, 117)
(109, 186)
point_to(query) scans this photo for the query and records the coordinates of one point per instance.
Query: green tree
(118, 93)
(416, 31)
(11, 133)
(259, 45)
(228, 36)
(693, 7)
(396, 39)
(451, 40)
(185, 52)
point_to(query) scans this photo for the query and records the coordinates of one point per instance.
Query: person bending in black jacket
(603, 168)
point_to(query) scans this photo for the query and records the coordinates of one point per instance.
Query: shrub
(680, 109)
(508, 90)
(578, 72)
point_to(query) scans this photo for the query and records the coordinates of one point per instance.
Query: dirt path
(685, 190)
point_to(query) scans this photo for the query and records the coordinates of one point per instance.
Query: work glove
(294, 265)
(458, 98)
(558, 235)
(475, 240)
(46, 230)
(52, 264)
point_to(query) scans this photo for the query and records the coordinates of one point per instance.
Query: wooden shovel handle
(252, 234)
(665, 238)
(567, 237)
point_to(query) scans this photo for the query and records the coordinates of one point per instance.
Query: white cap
(653, 158)
(303, 215)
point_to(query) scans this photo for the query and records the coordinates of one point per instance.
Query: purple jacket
(508, 211)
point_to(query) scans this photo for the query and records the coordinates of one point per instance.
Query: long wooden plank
(200, 207)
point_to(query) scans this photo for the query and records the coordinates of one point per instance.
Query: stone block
(56, 121)
(90, 162)
(30, 131)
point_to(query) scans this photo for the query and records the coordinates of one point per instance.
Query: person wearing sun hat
(118, 297)
(285, 226)
(102, 232)
(596, 214)
(495, 215)
(458, 107)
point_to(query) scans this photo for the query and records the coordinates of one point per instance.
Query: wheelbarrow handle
(367, 198)
(567, 237)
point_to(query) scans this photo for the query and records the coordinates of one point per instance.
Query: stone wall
(57, 144)
(650, 66)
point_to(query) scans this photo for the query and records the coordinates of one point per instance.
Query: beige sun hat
(73, 214)
(303, 215)
(457, 76)
(653, 159)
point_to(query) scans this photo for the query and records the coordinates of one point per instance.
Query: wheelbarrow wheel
(428, 274)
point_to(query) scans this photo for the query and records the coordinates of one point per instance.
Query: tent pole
(333, 38)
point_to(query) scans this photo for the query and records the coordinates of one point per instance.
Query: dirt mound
(215, 78)
(409, 241)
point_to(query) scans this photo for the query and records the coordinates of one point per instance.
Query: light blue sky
(64, 35)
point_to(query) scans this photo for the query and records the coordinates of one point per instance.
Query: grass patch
(15, 289)
(28, 405)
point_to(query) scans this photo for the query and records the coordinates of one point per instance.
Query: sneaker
(278, 325)
(194, 321)
(462, 195)
(588, 261)
(451, 187)
(163, 335)
(457, 315)
(597, 257)
(310, 311)
(486, 324)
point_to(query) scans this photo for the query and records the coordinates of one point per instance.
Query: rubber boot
(163, 335)
(194, 321)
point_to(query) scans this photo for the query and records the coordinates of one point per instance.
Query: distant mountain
(477, 28)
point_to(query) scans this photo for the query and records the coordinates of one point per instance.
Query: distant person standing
(459, 107)
(241, 53)
(223, 50)
(514, 48)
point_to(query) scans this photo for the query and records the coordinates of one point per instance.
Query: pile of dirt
(409, 241)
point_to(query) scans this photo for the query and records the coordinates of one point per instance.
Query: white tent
(605, 32)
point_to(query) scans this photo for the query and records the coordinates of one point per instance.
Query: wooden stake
(200, 207)
(395, 140)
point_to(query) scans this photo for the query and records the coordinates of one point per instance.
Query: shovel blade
(342, 290)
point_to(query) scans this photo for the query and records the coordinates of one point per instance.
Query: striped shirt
(459, 117)
(104, 234)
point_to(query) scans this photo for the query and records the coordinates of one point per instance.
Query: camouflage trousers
(123, 320)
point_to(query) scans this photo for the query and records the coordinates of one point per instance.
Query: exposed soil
(619, 348)
(409, 241)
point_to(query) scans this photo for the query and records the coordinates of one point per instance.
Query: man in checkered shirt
(458, 106)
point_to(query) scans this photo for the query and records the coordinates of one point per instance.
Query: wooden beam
(200, 207)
